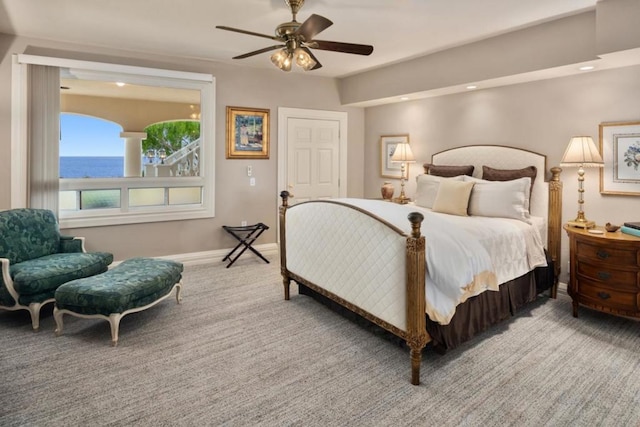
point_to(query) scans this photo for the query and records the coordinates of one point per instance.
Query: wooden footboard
(412, 328)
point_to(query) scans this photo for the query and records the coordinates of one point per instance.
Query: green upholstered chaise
(36, 260)
(133, 285)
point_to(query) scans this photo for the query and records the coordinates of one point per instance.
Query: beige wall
(538, 116)
(235, 199)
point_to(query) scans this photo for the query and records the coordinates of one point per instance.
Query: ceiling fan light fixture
(297, 38)
(282, 59)
(303, 59)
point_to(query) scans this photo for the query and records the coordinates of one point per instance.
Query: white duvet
(465, 256)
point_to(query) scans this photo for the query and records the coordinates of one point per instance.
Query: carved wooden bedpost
(283, 252)
(555, 225)
(417, 336)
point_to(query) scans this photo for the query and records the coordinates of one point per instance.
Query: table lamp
(403, 155)
(581, 153)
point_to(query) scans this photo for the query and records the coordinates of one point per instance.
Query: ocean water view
(91, 167)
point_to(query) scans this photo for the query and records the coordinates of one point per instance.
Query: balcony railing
(184, 162)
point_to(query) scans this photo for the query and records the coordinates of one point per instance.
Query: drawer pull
(603, 275)
(602, 254)
(604, 295)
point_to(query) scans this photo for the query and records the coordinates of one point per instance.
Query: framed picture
(247, 133)
(389, 169)
(620, 149)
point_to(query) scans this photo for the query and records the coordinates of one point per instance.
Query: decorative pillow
(453, 197)
(527, 194)
(447, 171)
(491, 174)
(502, 199)
(427, 189)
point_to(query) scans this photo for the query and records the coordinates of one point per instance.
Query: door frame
(284, 114)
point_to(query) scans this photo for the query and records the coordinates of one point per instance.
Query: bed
(429, 273)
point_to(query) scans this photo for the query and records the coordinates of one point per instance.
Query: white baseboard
(208, 257)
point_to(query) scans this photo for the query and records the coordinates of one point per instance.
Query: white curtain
(43, 136)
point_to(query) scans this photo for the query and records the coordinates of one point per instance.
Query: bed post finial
(417, 336)
(285, 198)
(286, 281)
(416, 219)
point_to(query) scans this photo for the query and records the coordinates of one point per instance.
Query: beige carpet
(235, 353)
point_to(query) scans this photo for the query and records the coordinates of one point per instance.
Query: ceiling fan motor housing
(287, 29)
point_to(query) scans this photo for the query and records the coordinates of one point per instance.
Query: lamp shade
(282, 59)
(581, 151)
(403, 154)
(303, 59)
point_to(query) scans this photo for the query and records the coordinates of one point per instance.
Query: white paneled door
(313, 158)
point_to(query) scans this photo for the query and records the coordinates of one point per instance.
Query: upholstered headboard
(502, 157)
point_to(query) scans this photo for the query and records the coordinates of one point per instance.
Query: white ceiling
(398, 29)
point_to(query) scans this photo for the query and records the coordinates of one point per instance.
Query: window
(154, 95)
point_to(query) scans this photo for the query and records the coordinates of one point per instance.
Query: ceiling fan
(297, 39)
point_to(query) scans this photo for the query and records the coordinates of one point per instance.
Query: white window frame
(205, 83)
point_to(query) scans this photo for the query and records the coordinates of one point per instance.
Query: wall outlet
(252, 181)
(249, 170)
(243, 223)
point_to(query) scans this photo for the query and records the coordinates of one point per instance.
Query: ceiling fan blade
(256, 52)
(318, 64)
(314, 25)
(358, 49)
(251, 33)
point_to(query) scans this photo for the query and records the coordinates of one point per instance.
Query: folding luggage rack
(246, 235)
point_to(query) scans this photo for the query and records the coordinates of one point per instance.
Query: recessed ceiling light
(119, 84)
(472, 87)
(586, 68)
(404, 98)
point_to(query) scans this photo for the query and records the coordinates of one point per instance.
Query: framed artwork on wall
(388, 143)
(247, 133)
(620, 149)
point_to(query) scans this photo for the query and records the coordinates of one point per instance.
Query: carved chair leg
(57, 315)
(34, 311)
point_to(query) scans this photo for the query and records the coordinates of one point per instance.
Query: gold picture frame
(247, 133)
(620, 150)
(389, 169)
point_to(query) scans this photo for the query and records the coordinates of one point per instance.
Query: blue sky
(88, 136)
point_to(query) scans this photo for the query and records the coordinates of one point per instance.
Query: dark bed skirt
(473, 316)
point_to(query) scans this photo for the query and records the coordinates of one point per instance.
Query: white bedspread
(465, 255)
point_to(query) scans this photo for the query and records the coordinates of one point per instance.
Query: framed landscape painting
(389, 169)
(247, 133)
(620, 149)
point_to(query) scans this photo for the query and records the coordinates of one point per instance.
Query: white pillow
(453, 197)
(502, 199)
(427, 189)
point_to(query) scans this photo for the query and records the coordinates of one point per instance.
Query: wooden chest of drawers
(605, 271)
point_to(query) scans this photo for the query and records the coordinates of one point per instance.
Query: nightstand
(605, 271)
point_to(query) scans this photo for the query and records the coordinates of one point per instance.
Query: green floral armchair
(36, 260)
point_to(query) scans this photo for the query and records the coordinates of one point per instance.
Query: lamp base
(581, 223)
(402, 200)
